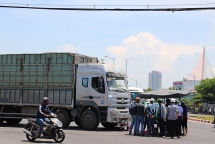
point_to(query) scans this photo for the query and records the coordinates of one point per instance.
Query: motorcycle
(50, 131)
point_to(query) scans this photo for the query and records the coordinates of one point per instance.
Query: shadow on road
(76, 128)
(39, 141)
(13, 126)
(99, 129)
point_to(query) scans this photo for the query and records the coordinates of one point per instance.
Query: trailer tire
(13, 121)
(78, 122)
(89, 120)
(64, 117)
(109, 126)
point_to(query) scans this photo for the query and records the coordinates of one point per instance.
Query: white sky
(163, 41)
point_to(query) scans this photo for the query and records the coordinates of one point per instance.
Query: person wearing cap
(140, 111)
(180, 116)
(172, 113)
(151, 112)
(133, 114)
(161, 117)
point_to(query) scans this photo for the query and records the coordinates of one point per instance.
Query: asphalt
(198, 133)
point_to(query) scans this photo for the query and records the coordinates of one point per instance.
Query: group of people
(172, 118)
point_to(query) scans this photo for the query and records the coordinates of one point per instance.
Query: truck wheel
(89, 120)
(109, 126)
(64, 117)
(77, 122)
(13, 121)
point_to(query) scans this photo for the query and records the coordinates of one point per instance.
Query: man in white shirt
(180, 116)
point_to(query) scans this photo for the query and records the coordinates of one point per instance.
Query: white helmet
(172, 100)
(151, 100)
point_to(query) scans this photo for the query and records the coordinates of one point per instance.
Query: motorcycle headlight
(112, 113)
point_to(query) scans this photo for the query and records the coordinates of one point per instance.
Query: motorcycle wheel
(59, 140)
(31, 139)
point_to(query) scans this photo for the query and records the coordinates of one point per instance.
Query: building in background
(187, 85)
(155, 80)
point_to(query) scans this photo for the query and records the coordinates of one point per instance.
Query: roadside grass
(211, 118)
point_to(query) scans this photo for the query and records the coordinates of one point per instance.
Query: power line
(110, 9)
(108, 5)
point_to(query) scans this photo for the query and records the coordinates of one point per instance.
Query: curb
(200, 120)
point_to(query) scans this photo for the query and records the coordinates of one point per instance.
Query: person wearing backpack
(140, 111)
(151, 112)
(133, 116)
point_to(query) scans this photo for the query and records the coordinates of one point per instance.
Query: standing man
(167, 122)
(147, 103)
(184, 121)
(162, 117)
(133, 116)
(151, 111)
(180, 117)
(140, 111)
(172, 113)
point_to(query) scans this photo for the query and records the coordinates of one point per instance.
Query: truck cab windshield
(116, 84)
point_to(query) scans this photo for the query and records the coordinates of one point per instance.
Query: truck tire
(13, 121)
(64, 117)
(78, 122)
(109, 126)
(89, 120)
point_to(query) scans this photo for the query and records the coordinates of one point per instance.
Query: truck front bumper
(118, 116)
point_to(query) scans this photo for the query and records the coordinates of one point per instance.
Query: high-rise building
(155, 80)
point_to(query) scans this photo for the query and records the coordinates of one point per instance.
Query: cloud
(161, 55)
(69, 48)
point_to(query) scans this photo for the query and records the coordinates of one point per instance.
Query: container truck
(78, 87)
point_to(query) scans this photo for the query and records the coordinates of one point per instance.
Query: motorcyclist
(43, 113)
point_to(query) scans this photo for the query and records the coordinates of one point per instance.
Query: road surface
(198, 133)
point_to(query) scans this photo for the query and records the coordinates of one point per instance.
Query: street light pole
(126, 64)
(135, 81)
(111, 58)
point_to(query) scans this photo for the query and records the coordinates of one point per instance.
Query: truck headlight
(112, 113)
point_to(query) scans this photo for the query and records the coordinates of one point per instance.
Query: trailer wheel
(64, 117)
(13, 121)
(78, 122)
(109, 126)
(89, 120)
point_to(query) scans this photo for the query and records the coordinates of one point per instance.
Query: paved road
(198, 133)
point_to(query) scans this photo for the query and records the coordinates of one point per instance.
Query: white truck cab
(103, 88)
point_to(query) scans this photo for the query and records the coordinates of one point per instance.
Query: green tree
(206, 90)
(149, 89)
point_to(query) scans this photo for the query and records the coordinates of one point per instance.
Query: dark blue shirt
(42, 110)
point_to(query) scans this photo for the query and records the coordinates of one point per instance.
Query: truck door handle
(91, 97)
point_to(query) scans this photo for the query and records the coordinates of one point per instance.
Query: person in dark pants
(145, 123)
(162, 118)
(184, 121)
(140, 111)
(180, 117)
(166, 123)
(133, 116)
(151, 111)
(172, 113)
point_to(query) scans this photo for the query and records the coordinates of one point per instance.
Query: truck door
(97, 90)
